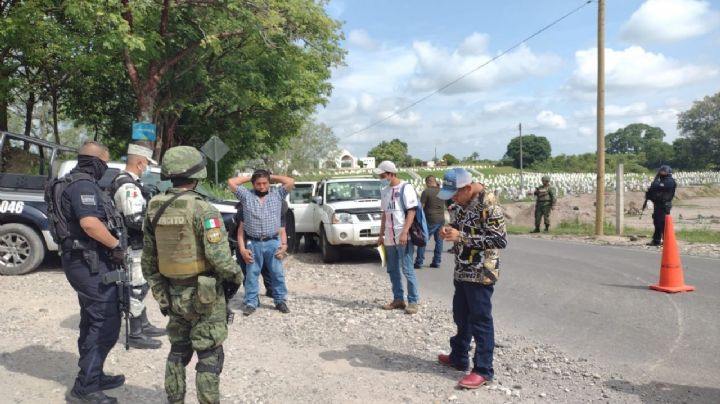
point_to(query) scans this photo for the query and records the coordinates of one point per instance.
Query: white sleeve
(411, 199)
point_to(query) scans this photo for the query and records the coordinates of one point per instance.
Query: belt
(273, 237)
(192, 281)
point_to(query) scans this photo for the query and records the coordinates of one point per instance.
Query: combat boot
(547, 228)
(137, 339)
(149, 329)
(537, 230)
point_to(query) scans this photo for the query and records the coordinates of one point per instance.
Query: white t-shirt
(393, 210)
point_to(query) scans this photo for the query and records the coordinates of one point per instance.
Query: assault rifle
(121, 276)
(643, 208)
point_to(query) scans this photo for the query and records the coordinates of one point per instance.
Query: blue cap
(454, 179)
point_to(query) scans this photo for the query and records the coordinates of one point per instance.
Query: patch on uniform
(214, 235)
(213, 223)
(88, 200)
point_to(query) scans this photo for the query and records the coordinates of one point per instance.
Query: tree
(535, 149)
(632, 139)
(657, 153)
(450, 159)
(475, 156)
(315, 142)
(699, 145)
(394, 150)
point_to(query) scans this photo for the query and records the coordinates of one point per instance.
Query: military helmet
(183, 162)
(665, 168)
(545, 178)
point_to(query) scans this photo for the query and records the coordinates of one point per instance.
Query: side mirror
(318, 200)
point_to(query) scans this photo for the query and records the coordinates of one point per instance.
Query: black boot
(97, 397)
(137, 339)
(547, 228)
(537, 230)
(149, 329)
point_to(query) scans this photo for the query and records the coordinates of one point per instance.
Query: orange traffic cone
(671, 273)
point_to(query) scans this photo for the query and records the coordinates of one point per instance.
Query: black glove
(164, 311)
(230, 289)
(117, 255)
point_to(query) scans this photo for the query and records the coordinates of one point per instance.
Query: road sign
(215, 149)
(143, 131)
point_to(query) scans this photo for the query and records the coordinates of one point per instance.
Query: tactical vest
(543, 194)
(180, 252)
(135, 236)
(58, 225)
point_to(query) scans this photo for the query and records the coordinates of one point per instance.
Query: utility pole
(600, 189)
(521, 154)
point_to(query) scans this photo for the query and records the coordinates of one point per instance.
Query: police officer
(127, 193)
(186, 258)
(544, 203)
(661, 193)
(89, 250)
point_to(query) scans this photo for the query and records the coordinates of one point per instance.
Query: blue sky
(661, 55)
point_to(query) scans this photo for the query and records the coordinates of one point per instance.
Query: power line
(498, 56)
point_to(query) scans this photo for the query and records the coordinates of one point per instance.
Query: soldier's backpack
(57, 223)
(419, 234)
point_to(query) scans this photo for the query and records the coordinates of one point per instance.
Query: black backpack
(57, 223)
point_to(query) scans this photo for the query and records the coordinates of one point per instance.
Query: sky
(660, 57)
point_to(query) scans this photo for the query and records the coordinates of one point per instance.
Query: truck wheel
(329, 252)
(21, 249)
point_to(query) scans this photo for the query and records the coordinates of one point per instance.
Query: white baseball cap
(138, 150)
(385, 167)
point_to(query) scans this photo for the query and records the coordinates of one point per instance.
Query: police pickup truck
(26, 164)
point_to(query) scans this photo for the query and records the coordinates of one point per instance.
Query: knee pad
(180, 353)
(204, 367)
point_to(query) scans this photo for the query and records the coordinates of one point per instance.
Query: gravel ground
(335, 346)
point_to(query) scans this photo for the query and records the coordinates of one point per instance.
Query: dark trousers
(99, 320)
(472, 312)
(658, 216)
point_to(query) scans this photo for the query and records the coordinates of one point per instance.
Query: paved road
(593, 302)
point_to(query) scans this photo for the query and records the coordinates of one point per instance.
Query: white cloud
(437, 66)
(549, 119)
(612, 110)
(634, 68)
(586, 131)
(670, 20)
(361, 39)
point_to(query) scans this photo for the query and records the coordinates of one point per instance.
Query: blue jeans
(264, 252)
(401, 256)
(433, 231)
(472, 312)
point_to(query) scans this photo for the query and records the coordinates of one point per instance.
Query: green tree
(450, 159)
(632, 138)
(657, 153)
(394, 150)
(535, 149)
(699, 145)
(315, 142)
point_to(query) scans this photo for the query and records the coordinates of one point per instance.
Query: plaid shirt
(482, 234)
(261, 220)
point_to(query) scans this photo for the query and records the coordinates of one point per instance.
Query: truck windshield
(353, 190)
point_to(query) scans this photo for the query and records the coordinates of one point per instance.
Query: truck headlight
(341, 218)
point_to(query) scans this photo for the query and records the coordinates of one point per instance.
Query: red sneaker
(445, 361)
(472, 381)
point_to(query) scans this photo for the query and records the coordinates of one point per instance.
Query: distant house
(345, 159)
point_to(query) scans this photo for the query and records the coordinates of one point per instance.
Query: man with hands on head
(478, 233)
(262, 208)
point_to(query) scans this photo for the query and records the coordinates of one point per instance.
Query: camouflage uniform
(186, 275)
(544, 203)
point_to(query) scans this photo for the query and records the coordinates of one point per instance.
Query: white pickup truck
(339, 211)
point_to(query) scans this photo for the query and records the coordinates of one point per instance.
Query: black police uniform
(661, 193)
(99, 311)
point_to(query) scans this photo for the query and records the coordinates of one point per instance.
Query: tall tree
(632, 139)
(315, 143)
(535, 149)
(450, 159)
(394, 150)
(699, 145)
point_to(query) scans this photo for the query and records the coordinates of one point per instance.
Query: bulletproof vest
(180, 252)
(660, 190)
(58, 225)
(543, 194)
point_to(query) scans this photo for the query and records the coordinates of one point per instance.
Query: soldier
(80, 214)
(127, 193)
(544, 203)
(661, 193)
(186, 259)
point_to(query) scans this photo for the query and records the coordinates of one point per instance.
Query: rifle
(229, 289)
(121, 276)
(643, 208)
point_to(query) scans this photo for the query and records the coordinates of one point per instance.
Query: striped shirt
(261, 220)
